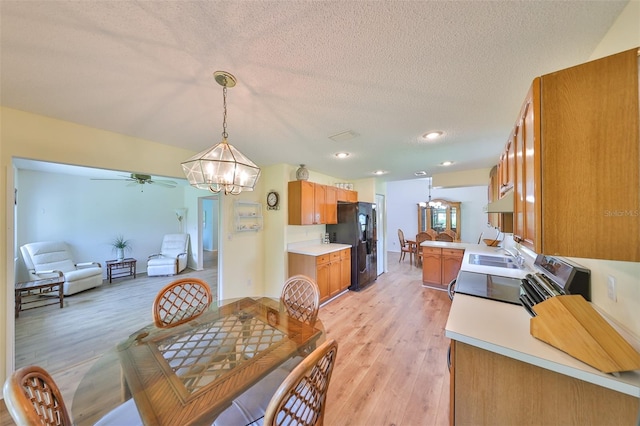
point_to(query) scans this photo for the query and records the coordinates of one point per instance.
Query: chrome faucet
(518, 256)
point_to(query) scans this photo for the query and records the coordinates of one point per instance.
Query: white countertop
(503, 328)
(471, 248)
(317, 249)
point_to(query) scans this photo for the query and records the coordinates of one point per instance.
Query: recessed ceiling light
(432, 135)
(420, 173)
(446, 163)
(342, 154)
(380, 172)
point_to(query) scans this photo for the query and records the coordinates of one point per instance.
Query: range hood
(503, 205)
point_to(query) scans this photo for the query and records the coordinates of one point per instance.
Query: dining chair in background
(405, 247)
(301, 298)
(421, 237)
(33, 398)
(181, 301)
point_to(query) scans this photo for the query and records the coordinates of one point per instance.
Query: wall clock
(272, 201)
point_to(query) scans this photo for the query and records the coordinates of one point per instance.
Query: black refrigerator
(357, 227)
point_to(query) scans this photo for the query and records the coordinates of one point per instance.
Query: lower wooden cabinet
(492, 389)
(330, 271)
(440, 265)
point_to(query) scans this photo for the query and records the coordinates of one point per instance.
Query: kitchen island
(500, 374)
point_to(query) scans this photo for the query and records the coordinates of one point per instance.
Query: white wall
(402, 209)
(88, 214)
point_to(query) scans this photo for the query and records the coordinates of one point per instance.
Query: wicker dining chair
(302, 396)
(181, 301)
(33, 398)
(301, 298)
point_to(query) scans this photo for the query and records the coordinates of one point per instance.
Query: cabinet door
(345, 269)
(320, 195)
(331, 205)
(301, 203)
(334, 274)
(323, 277)
(451, 262)
(591, 160)
(431, 266)
(492, 195)
(526, 214)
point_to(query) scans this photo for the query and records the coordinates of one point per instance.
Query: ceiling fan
(140, 179)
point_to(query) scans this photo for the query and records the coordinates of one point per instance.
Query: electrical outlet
(611, 288)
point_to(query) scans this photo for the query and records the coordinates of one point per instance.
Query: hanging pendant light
(433, 204)
(222, 167)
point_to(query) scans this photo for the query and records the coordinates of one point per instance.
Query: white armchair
(172, 258)
(43, 258)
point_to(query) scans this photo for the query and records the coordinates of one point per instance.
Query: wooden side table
(121, 268)
(43, 288)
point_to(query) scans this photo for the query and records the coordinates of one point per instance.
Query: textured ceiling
(386, 70)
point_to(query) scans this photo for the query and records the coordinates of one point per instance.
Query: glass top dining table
(190, 373)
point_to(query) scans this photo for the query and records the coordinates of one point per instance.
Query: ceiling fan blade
(122, 178)
(166, 183)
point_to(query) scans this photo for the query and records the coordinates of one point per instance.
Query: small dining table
(413, 251)
(190, 373)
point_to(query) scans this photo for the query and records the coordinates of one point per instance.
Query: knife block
(572, 325)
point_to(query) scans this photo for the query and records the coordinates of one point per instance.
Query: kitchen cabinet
(577, 174)
(506, 167)
(440, 265)
(502, 221)
(345, 269)
(330, 271)
(488, 388)
(347, 195)
(451, 262)
(313, 203)
(331, 205)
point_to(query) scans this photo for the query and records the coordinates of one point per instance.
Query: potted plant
(120, 245)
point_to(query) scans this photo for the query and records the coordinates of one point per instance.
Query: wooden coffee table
(33, 292)
(121, 268)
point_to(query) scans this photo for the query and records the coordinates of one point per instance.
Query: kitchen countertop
(470, 248)
(503, 328)
(317, 249)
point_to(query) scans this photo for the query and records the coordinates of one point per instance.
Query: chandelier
(222, 167)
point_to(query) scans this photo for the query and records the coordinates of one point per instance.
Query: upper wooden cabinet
(506, 167)
(347, 195)
(577, 180)
(502, 221)
(315, 204)
(302, 203)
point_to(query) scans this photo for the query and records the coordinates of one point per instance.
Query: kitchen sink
(495, 261)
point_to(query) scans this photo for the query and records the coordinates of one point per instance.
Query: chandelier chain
(224, 116)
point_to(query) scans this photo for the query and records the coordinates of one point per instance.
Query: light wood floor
(391, 366)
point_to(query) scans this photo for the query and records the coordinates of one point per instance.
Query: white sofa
(172, 258)
(42, 258)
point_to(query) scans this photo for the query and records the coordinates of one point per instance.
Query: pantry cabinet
(577, 174)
